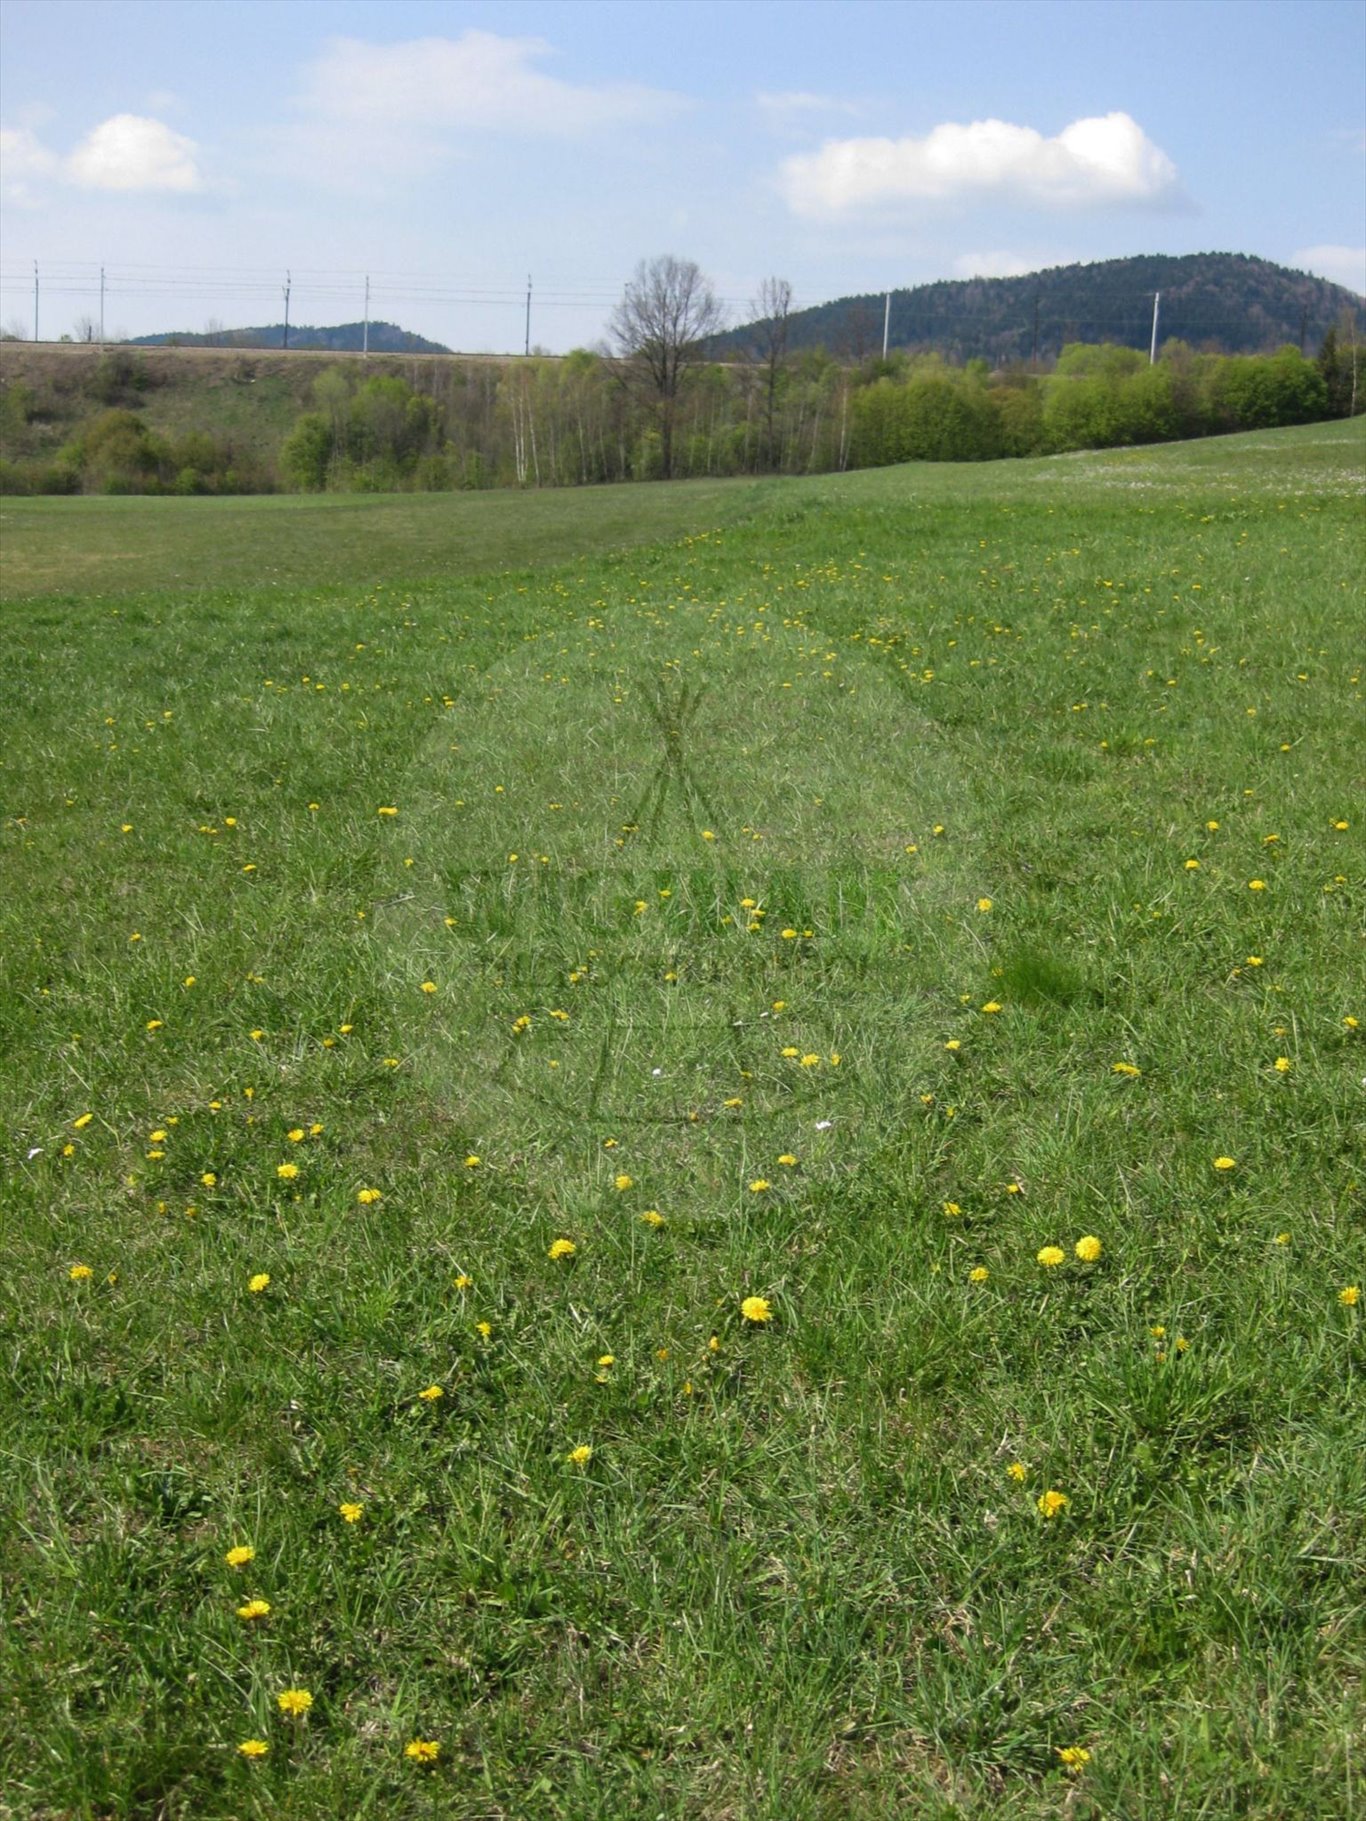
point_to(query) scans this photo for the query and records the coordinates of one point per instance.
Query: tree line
(655, 404)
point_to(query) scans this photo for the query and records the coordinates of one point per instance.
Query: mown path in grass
(917, 876)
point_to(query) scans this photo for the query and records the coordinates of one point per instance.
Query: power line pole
(35, 300)
(365, 334)
(1152, 351)
(528, 314)
(288, 281)
(886, 322)
(101, 306)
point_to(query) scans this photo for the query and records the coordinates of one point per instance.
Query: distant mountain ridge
(344, 338)
(1229, 302)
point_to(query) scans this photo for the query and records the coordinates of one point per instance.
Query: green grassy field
(461, 954)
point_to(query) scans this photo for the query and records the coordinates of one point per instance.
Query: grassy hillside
(707, 1164)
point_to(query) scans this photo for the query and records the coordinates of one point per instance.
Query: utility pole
(1152, 351)
(528, 314)
(365, 333)
(35, 300)
(288, 281)
(886, 322)
(101, 306)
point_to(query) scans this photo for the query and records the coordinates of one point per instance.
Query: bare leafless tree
(659, 329)
(772, 307)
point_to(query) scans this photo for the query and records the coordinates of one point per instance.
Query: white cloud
(1107, 160)
(24, 161)
(1342, 265)
(995, 265)
(476, 81)
(134, 152)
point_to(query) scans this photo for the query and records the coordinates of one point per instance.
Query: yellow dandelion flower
(1226, 1163)
(423, 1751)
(239, 1555)
(79, 1125)
(294, 1701)
(1192, 866)
(562, 1248)
(79, 1273)
(953, 1043)
(1125, 1068)
(472, 1162)
(580, 1456)
(1283, 1065)
(991, 1005)
(253, 1748)
(429, 986)
(1281, 1239)
(1018, 1472)
(260, 1282)
(1050, 1503)
(984, 904)
(386, 809)
(758, 1186)
(462, 1282)
(350, 1512)
(297, 1135)
(286, 1171)
(368, 1196)
(756, 1309)
(431, 1394)
(622, 1182)
(1350, 1295)
(1049, 1256)
(652, 1217)
(787, 1160)
(254, 1609)
(484, 1329)
(811, 1061)
(1088, 1248)
(1075, 1757)
(1256, 885)
(978, 1274)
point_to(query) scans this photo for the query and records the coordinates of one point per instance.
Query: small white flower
(824, 1125)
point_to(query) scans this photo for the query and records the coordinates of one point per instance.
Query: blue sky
(199, 149)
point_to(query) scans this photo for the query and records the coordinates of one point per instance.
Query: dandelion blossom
(366, 1196)
(79, 1273)
(294, 1701)
(286, 1171)
(1088, 1248)
(1125, 1068)
(652, 1217)
(756, 1309)
(351, 1512)
(261, 1281)
(562, 1248)
(623, 1182)
(431, 1394)
(580, 1456)
(239, 1555)
(423, 1751)
(253, 1748)
(1050, 1503)
(758, 1186)
(1075, 1757)
(1350, 1295)
(978, 1274)
(1226, 1163)
(1049, 1256)
(1018, 1472)
(254, 1609)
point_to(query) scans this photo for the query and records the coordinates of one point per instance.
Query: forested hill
(1227, 302)
(345, 338)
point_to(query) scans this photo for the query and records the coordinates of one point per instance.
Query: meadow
(689, 1151)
